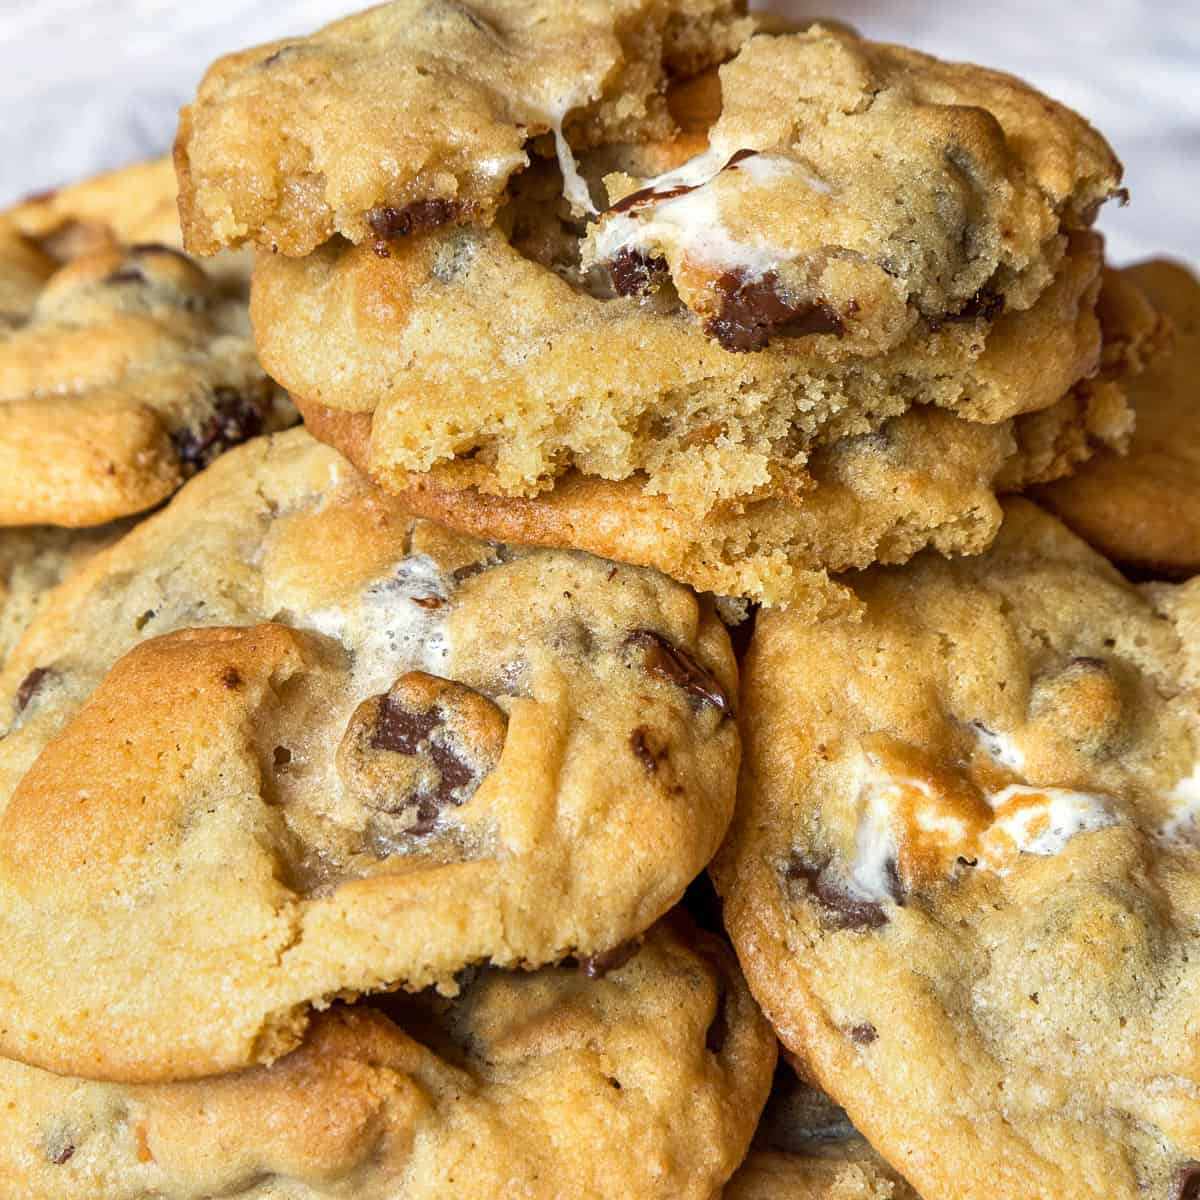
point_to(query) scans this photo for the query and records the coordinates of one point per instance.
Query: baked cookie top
(644, 1082)
(132, 205)
(416, 113)
(848, 190)
(1143, 509)
(286, 742)
(964, 866)
(127, 373)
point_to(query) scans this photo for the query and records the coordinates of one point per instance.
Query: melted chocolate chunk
(1187, 1183)
(649, 748)
(422, 215)
(30, 686)
(235, 419)
(596, 966)
(678, 667)
(839, 908)
(634, 273)
(231, 677)
(864, 1034)
(60, 1151)
(412, 732)
(753, 311)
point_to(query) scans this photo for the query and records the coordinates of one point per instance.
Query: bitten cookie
(127, 373)
(964, 868)
(924, 478)
(645, 1082)
(416, 113)
(286, 743)
(1143, 509)
(824, 241)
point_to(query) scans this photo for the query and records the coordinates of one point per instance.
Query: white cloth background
(90, 84)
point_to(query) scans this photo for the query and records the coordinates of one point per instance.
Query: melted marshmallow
(691, 224)
(1041, 821)
(387, 632)
(575, 187)
(1182, 828)
(1000, 747)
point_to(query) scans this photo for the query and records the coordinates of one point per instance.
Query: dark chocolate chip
(864, 1034)
(1187, 1182)
(127, 275)
(840, 909)
(596, 966)
(984, 305)
(231, 677)
(30, 686)
(753, 311)
(235, 419)
(409, 732)
(678, 667)
(648, 747)
(634, 273)
(422, 215)
(60, 1151)
(429, 602)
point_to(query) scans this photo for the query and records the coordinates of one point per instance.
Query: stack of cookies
(665, 374)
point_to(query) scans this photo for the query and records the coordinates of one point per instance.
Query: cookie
(922, 478)
(645, 1082)
(963, 867)
(33, 560)
(806, 1149)
(702, 426)
(541, 341)
(24, 270)
(130, 206)
(127, 374)
(1142, 509)
(286, 743)
(416, 113)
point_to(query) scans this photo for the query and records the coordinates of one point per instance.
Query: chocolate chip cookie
(924, 478)
(827, 243)
(35, 559)
(133, 205)
(416, 113)
(645, 1082)
(125, 374)
(962, 877)
(1143, 509)
(286, 743)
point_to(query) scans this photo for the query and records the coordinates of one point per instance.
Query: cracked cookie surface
(286, 742)
(645, 1082)
(964, 863)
